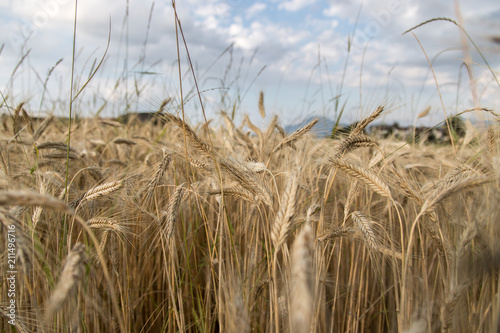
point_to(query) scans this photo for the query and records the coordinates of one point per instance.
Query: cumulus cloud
(255, 9)
(295, 5)
(302, 43)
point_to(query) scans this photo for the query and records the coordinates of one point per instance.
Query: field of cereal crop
(158, 224)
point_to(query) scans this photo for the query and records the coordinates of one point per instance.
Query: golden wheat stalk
(448, 310)
(449, 188)
(198, 143)
(456, 174)
(229, 123)
(360, 127)
(283, 221)
(112, 123)
(271, 128)
(262, 109)
(337, 233)
(123, 141)
(160, 171)
(430, 226)
(104, 240)
(301, 285)
(38, 210)
(424, 113)
(281, 131)
(247, 179)
(255, 129)
(105, 224)
(409, 191)
(199, 165)
(169, 216)
(351, 195)
(31, 198)
(71, 275)
(55, 145)
(364, 175)
(102, 190)
(363, 223)
(352, 142)
(71, 156)
(235, 192)
(295, 135)
(43, 126)
(95, 173)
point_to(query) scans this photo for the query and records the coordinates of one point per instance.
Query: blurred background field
(219, 167)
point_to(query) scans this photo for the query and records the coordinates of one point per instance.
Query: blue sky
(293, 50)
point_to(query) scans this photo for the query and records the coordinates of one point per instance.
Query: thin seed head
(364, 225)
(122, 141)
(71, 275)
(283, 222)
(262, 109)
(352, 142)
(170, 214)
(102, 190)
(364, 175)
(302, 289)
(43, 126)
(365, 122)
(295, 135)
(31, 198)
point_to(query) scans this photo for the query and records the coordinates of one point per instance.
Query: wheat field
(168, 226)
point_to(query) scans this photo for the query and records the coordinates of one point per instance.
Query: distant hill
(322, 129)
(325, 126)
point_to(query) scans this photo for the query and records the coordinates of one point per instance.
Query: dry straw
(337, 232)
(302, 283)
(71, 275)
(352, 142)
(41, 129)
(295, 135)
(196, 141)
(102, 190)
(283, 221)
(247, 179)
(424, 113)
(360, 127)
(122, 141)
(364, 224)
(364, 175)
(160, 171)
(262, 109)
(55, 145)
(169, 215)
(105, 224)
(448, 188)
(235, 192)
(30, 198)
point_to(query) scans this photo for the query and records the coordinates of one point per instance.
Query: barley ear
(364, 225)
(301, 286)
(169, 216)
(262, 109)
(283, 222)
(295, 135)
(364, 175)
(365, 122)
(71, 275)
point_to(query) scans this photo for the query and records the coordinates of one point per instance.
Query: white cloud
(255, 9)
(288, 44)
(295, 5)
